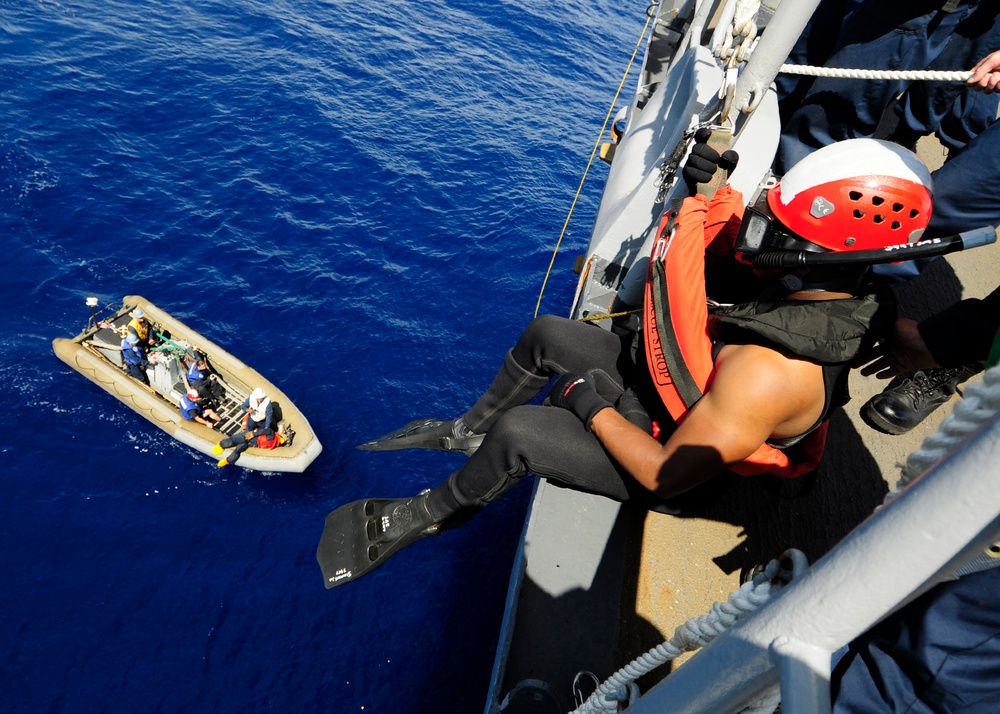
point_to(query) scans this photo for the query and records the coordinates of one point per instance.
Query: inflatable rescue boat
(96, 354)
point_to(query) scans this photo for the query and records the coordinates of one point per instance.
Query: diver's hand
(577, 393)
(703, 161)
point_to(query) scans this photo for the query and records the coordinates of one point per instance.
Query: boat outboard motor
(854, 203)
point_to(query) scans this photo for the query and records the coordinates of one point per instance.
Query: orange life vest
(270, 442)
(675, 322)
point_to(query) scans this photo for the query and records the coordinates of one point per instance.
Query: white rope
(905, 74)
(980, 403)
(739, 43)
(740, 35)
(696, 632)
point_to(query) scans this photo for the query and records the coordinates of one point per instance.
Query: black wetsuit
(553, 442)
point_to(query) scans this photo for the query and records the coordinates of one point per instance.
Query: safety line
(597, 144)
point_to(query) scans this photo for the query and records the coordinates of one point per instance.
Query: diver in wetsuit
(747, 388)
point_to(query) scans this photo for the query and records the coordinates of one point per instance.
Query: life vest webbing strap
(684, 383)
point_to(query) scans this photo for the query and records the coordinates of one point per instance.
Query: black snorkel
(890, 254)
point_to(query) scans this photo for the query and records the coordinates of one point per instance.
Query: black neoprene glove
(577, 393)
(704, 160)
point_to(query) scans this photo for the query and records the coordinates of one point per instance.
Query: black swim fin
(360, 536)
(427, 434)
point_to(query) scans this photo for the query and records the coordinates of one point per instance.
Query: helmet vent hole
(914, 213)
(897, 207)
(877, 200)
(854, 195)
(896, 225)
(878, 218)
(858, 213)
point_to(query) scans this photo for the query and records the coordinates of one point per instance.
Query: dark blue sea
(358, 199)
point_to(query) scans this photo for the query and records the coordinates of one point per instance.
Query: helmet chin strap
(835, 280)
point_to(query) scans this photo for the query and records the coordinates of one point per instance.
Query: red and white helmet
(858, 194)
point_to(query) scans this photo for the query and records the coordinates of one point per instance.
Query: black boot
(910, 398)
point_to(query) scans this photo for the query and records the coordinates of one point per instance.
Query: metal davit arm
(944, 519)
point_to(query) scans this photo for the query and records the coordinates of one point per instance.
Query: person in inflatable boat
(258, 411)
(696, 391)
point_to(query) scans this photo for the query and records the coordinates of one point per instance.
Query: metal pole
(771, 52)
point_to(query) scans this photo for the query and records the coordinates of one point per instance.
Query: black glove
(577, 393)
(704, 160)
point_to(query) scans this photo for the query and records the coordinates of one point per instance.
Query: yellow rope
(597, 144)
(607, 316)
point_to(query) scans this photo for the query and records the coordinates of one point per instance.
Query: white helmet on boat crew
(257, 395)
(859, 194)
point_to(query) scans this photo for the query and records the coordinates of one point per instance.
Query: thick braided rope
(696, 632)
(905, 74)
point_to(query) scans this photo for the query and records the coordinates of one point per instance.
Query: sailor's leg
(216, 390)
(956, 207)
(547, 441)
(137, 372)
(237, 440)
(240, 448)
(360, 536)
(549, 345)
(938, 653)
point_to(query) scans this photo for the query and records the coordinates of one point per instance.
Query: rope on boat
(904, 74)
(170, 345)
(698, 631)
(650, 14)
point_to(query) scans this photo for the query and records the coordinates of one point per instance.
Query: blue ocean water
(358, 199)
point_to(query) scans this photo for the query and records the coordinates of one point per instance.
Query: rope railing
(980, 403)
(698, 631)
